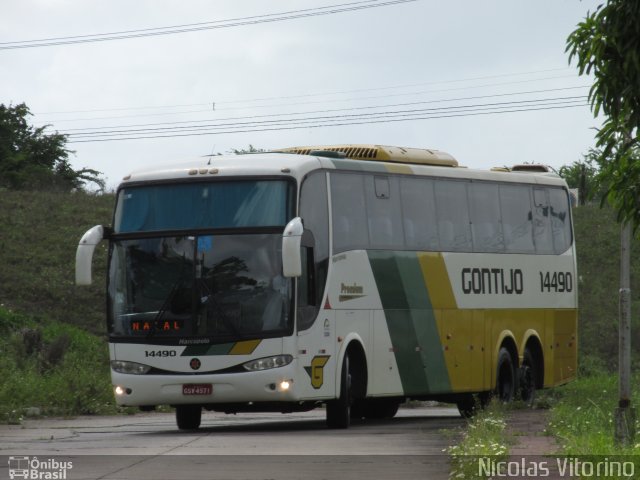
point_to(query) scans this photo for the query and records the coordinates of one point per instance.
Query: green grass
(39, 233)
(485, 436)
(51, 369)
(582, 416)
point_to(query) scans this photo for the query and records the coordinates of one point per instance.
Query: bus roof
(297, 165)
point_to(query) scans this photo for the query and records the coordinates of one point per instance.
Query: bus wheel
(381, 408)
(527, 378)
(466, 404)
(188, 416)
(506, 383)
(339, 410)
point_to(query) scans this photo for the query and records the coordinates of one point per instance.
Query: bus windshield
(203, 205)
(223, 287)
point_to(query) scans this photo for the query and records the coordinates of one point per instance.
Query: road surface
(246, 446)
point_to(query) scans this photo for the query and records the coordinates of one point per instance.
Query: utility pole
(625, 414)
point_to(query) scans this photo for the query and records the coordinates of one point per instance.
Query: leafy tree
(607, 45)
(33, 159)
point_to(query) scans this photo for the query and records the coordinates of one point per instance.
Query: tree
(607, 45)
(31, 158)
(585, 175)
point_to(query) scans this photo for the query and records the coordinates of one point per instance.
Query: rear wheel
(528, 378)
(506, 377)
(339, 410)
(379, 408)
(188, 417)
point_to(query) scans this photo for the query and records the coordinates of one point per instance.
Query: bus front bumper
(273, 385)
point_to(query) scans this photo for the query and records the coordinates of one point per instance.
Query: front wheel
(188, 417)
(339, 410)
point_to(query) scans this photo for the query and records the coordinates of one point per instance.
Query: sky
(488, 82)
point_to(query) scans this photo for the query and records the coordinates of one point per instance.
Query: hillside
(39, 232)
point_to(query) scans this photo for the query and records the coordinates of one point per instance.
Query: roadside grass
(485, 436)
(582, 416)
(51, 369)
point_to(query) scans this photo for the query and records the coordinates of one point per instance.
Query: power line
(194, 27)
(545, 101)
(310, 112)
(338, 122)
(313, 112)
(317, 94)
(315, 102)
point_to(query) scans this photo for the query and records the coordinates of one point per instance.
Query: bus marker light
(119, 390)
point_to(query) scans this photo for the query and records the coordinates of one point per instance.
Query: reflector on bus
(380, 153)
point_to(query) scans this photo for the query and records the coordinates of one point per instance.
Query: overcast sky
(424, 73)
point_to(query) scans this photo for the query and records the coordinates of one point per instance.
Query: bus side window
(486, 225)
(542, 222)
(419, 214)
(515, 203)
(314, 211)
(453, 216)
(560, 223)
(384, 212)
(350, 226)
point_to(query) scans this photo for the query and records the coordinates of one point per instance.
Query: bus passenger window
(419, 214)
(453, 216)
(484, 208)
(515, 204)
(542, 223)
(560, 223)
(349, 212)
(384, 212)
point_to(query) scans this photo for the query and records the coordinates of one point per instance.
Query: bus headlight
(268, 362)
(131, 368)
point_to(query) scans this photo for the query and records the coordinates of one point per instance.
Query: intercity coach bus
(351, 276)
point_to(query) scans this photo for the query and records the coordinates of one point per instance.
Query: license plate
(197, 389)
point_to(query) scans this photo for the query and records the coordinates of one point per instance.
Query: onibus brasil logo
(35, 469)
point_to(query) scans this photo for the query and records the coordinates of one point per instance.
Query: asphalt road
(247, 446)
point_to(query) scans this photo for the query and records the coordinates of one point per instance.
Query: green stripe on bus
(411, 322)
(204, 350)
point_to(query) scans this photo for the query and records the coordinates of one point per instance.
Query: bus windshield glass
(203, 205)
(223, 287)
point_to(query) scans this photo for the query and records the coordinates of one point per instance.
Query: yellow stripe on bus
(437, 280)
(245, 347)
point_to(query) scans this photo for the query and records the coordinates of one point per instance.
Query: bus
(351, 276)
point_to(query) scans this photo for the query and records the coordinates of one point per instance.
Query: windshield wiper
(209, 300)
(163, 308)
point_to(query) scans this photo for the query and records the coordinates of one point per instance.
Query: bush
(66, 373)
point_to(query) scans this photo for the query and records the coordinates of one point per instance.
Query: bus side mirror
(84, 254)
(291, 240)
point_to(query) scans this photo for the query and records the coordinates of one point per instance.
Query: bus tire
(527, 381)
(339, 410)
(466, 404)
(188, 417)
(506, 377)
(381, 408)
